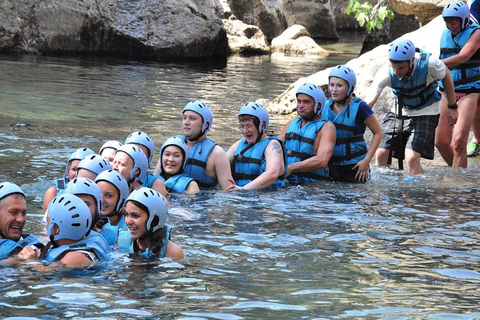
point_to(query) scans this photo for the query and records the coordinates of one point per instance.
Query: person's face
(249, 131)
(109, 154)
(91, 204)
(454, 24)
(123, 164)
(400, 69)
(192, 124)
(84, 173)
(305, 105)
(72, 169)
(13, 216)
(110, 197)
(338, 88)
(172, 160)
(136, 220)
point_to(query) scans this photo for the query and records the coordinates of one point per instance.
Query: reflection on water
(397, 247)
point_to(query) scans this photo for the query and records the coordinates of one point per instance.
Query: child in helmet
(132, 163)
(147, 234)
(70, 172)
(91, 166)
(351, 158)
(72, 243)
(258, 161)
(459, 45)
(108, 149)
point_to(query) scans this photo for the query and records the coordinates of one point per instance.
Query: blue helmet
(7, 188)
(258, 111)
(140, 137)
(457, 9)
(347, 74)
(86, 186)
(175, 141)
(79, 154)
(139, 158)
(94, 163)
(119, 182)
(316, 93)
(156, 205)
(204, 111)
(112, 144)
(71, 215)
(402, 50)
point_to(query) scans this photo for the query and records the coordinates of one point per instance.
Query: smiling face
(338, 88)
(136, 220)
(110, 197)
(249, 129)
(13, 216)
(192, 124)
(172, 160)
(72, 169)
(123, 164)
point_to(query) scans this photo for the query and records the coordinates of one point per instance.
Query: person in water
(91, 166)
(173, 159)
(351, 158)
(70, 173)
(410, 132)
(14, 244)
(309, 139)
(72, 242)
(90, 193)
(145, 143)
(207, 162)
(459, 50)
(132, 163)
(147, 235)
(258, 161)
(108, 150)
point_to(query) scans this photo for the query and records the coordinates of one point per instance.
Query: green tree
(366, 17)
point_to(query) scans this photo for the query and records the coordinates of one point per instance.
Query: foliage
(365, 16)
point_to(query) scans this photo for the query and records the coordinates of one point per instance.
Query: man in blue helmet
(13, 216)
(207, 162)
(409, 128)
(309, 139)
(258, 161)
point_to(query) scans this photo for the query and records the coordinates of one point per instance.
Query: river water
(397, 247)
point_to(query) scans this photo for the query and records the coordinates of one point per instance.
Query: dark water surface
(397, 247)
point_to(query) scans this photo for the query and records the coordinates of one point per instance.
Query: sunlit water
(397, 247)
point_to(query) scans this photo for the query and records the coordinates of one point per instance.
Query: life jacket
(110, 233)
(349, 147)
(94, 242)
(299, 146)
(59, 185)
(197, 162)
(125, 243)
(249, 162)
(178, 183)
(9, 247)
(413, 92)
(149, 180)
(466, 75)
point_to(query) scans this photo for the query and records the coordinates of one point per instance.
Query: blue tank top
(125, 243)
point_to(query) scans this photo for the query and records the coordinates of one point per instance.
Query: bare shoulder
(174, 250)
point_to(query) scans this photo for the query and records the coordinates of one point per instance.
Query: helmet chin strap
(197, 137)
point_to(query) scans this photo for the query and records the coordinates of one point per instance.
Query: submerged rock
(296, 39)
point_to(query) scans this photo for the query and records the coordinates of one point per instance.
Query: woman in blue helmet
(459, 50)
(115, 191)
(108, 150)
(132, 163)
(147, 235)
(91, 166)
(351, 158)
(258, 161)
(173, 159)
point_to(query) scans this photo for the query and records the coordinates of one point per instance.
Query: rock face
(246, 39)
(296, 39)
(144, 29)
(365, 67)
(424, 10)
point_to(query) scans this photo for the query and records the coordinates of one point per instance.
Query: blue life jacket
(94, 242)
(466, 75)
(249, 162)
(197, 162)
(9, 247)
(299, 146)
(110, 233)
(149, 180)
(59, 185)
(178, 183)
(125, 243)
(349, 147)
(412, 92)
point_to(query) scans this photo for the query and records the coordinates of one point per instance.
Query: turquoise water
(397, 247)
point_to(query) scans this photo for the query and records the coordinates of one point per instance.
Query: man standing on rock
(409, 128)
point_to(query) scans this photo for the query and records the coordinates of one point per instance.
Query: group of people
(110, 199)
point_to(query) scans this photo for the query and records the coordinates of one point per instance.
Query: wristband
(453, 106)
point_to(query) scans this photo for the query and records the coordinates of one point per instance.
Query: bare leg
(444, 134)
(381, 157)
(412, 160)
(467, 107)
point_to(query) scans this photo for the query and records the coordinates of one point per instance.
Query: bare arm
(372, 98)
(157, 167)
(452, 114)
(49, 195)
(468, 50)
(231, 151)
(363, 165)
(221, 167)
(174, 251)
(282, 134)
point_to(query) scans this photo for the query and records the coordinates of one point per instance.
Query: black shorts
(418, 134)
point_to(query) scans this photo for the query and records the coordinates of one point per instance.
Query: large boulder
(424, 10)
(297, 40)
(245, 38)
(365, 67)
(143, 29)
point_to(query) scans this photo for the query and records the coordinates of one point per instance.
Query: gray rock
(244, 38)
(296, 39)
